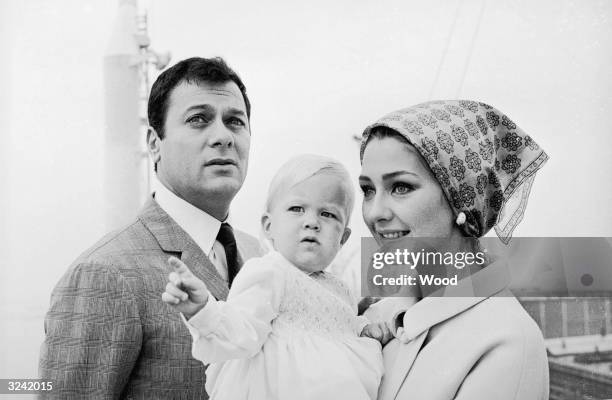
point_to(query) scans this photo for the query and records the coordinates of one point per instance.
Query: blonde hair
(304, 166)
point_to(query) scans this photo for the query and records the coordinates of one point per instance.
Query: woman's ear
(345, 235)
(266, 224)
(154, 145)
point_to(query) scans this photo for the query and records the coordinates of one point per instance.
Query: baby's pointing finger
(175, 279)
(179, 266)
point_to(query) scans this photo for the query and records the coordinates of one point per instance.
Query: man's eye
(367, 191)
(236, 122)
(197, 119)
(402, 188)
(296, 209)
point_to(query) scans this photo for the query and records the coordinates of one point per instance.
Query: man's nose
(221, 136)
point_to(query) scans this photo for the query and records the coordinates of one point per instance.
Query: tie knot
(226, 235)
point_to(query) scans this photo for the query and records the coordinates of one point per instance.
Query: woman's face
(401, 195)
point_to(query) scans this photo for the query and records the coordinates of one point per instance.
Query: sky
(317, 73)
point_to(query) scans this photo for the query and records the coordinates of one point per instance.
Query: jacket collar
(173, 239)
(436, 308)
(453, 300)
(170, 236)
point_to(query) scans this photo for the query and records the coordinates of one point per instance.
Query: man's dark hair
(192, 70)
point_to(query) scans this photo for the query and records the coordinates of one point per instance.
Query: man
(108, 333)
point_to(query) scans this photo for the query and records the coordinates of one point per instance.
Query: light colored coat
(471, 348)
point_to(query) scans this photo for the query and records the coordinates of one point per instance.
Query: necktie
(227, 239)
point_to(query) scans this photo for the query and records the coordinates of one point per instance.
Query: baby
(288, 329)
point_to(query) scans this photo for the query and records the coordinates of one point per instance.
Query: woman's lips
(392, 235)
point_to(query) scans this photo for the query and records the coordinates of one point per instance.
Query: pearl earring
(460, 218)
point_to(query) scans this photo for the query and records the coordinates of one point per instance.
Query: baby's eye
(296, 209)
(368, 191)
(327, 214)
(402, 188)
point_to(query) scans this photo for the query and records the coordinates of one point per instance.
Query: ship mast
(127, 63)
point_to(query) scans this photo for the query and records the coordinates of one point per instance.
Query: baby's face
(307, 223)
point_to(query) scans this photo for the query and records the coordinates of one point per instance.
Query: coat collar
(434, 309)
(453, 300)
(173, 239)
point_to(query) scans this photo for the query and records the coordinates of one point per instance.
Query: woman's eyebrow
(395, 174)
(388, 176)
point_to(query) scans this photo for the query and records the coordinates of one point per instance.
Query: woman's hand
(184, 291)
(365, 303)
(379, 331)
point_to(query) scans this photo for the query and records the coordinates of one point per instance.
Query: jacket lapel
(401, 357)
(173, 239)
(204, 269)
(401, 353)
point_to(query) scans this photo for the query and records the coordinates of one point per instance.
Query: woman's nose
(377, 210)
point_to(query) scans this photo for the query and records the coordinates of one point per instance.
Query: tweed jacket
(475, 342)
(108, 335)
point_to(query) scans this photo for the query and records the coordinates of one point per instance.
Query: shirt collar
(201, 226)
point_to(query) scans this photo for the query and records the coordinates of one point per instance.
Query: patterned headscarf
(484, 163)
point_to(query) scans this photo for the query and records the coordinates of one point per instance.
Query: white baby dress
(284, 334)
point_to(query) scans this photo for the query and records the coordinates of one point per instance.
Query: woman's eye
(402, 188)
(296, 209)
(367, 191)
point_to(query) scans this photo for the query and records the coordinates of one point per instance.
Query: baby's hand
(379, 331)
(184, 291)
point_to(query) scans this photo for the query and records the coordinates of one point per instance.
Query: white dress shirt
(202, 227)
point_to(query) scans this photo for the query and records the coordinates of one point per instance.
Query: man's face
(204, 154)
(307, 223)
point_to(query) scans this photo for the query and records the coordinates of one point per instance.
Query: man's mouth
(221, 161)
(309, 239)
(392, 235)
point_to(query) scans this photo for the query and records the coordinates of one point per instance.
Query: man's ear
(266, 224)
(154, 145)
(345, 235)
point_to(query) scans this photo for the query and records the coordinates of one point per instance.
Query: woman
(455, 170)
